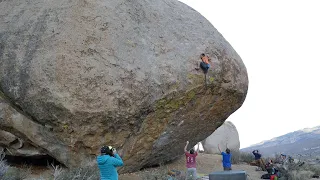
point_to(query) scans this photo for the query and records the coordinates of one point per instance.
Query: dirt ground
(206, 163)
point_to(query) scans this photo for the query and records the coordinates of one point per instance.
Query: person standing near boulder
(191, 162)
(226, 159)
(108, 162)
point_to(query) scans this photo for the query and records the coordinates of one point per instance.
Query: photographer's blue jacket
(108, 166)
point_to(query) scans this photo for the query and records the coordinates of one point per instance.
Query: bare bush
(3, 165)
(300, 175)
(87, 172)
(299, 171)
(315, 169)
(246, 157)
(235, 158)
(57, 171)
(14, 173)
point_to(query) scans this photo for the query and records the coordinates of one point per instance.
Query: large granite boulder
(18, 127)
(226, 136)
(79, 74)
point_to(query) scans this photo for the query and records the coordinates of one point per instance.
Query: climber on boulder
(204, 64)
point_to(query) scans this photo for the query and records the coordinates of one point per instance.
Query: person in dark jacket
(204, 65)
(108, 162)
(258, 160)
(256, 154)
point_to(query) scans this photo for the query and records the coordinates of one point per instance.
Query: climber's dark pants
(205, 67)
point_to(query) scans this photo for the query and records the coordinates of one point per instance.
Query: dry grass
(17, 173)
(12, 173)
(300, 175)
(3, 165)
(85, 173)
(58, 173)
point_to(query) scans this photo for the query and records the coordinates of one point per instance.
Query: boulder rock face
(18, 127)
(225, 136)
(79, 74)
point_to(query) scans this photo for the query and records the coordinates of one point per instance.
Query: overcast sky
(279, 42)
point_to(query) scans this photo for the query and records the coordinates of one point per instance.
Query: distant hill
(305, 142)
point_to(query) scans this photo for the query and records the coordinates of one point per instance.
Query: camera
(112, 148)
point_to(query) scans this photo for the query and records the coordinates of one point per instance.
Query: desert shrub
(246, 157)
(300, 175)
(155, 174)
(3, 165)
(235, 158)
(86, 172)
(299, 171)
(315, 169)
(14, 173)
